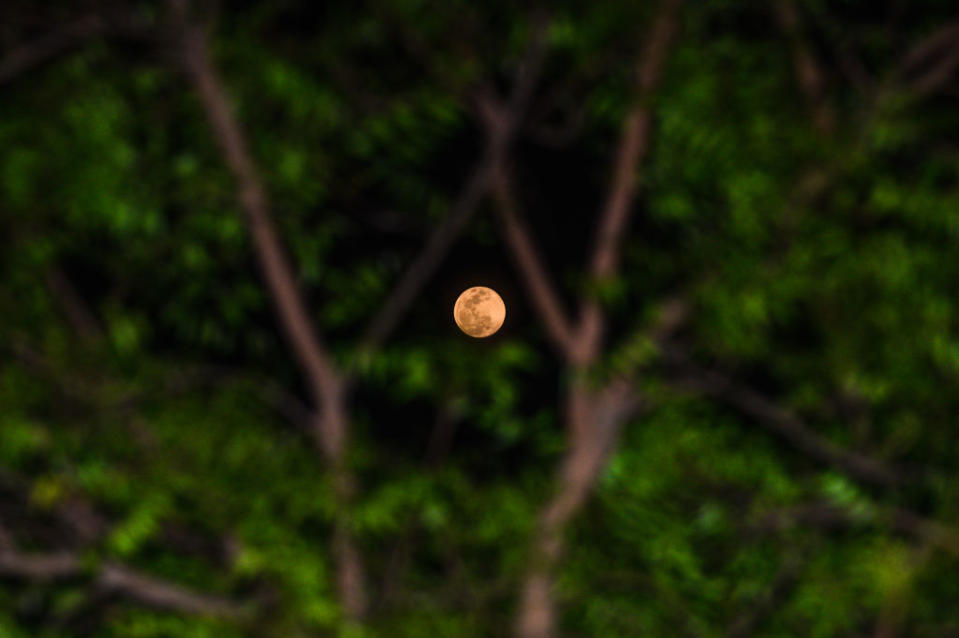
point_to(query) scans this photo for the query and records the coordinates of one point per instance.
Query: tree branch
(931, 61)
(829, 516)
(307, 348)
(809, 73)
(633, 144)
(593, 421)
(785, 425)
(161, 594)
(542, 292)
(938, 75)
(442, 239)
(419, 271)
(330, 425)
(593, 418)
(32, 54)
(114, 578)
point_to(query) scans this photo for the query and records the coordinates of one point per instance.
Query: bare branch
(931, 61)
(500, 122)
(330, 425)
(295, 319)
(809, 74)
(420, 270)
(161, 594)
(633, 144)
(36, 52)
(541, 289)
(43, 567)
(938, 75)
(786, 425)
(462, 211)
(147, 590)
(830, 516)
(594, 420)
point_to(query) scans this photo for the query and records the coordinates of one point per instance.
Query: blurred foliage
(821, 270)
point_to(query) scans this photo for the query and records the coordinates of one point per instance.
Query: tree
(720, 404)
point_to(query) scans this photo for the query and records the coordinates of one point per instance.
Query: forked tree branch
(419, 271)
(469, 199)
(593, 417)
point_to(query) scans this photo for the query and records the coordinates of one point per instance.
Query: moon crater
(479, 311)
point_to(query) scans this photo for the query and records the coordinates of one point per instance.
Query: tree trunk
(592, 421)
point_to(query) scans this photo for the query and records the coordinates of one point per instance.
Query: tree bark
(330, 425)
(118, 579)
(593, 420)
(593, 417)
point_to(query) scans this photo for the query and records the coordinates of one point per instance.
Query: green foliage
(820, 270)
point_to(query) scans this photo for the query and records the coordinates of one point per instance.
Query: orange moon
(479, 311)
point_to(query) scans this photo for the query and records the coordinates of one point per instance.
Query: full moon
(479, 311)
